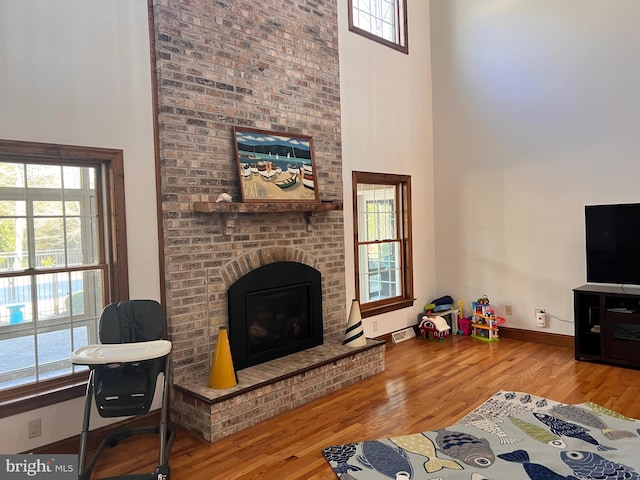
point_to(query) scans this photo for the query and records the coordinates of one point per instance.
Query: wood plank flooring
(425, 386)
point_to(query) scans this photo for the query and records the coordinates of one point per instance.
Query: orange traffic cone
(354, 335)
(222, 374)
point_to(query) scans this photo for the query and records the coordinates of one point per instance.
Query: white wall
(386, 128)
(78, 72)
(536, 114)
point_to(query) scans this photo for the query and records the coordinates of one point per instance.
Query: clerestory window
(383, 21)
(383, 249)
(62, 259)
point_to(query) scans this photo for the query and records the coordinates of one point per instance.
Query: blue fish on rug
(588, 465)
(567, 429)
(422, 445)
(573, 413)
(384, 459)
(534, 470)
(341, 454)
(471, 450)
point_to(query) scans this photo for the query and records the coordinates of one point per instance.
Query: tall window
(382, 233)
(58, 253)
(384, 21)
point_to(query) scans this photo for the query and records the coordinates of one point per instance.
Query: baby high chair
(124, 370)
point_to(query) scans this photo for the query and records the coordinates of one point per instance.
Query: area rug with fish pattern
(513, 435)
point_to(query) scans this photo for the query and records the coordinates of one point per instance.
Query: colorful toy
(434, 328)
(484, 300)
(465, 325)
(485, 321)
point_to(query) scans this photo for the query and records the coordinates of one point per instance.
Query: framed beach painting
(275, 167)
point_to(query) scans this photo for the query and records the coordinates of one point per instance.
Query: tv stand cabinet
(607, 324)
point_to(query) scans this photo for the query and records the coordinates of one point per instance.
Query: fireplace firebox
(274, 311)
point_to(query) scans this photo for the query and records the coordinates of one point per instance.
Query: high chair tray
(120, 352)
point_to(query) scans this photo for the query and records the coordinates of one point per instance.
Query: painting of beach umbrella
(275, 166)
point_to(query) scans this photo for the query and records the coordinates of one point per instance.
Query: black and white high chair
(124, 370)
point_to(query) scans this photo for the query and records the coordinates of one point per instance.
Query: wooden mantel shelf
(227, 207)
(231, 209)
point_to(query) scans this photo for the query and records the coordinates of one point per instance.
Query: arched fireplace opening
(274, 311)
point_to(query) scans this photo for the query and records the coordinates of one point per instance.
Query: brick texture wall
(268, 64)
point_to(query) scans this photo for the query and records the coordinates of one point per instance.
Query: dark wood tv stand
(616, 310)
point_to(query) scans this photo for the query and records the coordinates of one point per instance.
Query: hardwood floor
(425, 386)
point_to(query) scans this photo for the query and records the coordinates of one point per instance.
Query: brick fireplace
(271, 65)
(274, 387)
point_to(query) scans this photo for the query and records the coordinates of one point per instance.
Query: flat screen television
(613, 243)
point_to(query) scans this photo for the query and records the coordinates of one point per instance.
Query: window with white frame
(383, 21)
(382, 232)
(57, 252)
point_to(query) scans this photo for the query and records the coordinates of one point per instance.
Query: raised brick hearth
(272, 65)
(271, 388)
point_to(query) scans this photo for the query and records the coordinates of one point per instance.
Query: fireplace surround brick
(268, 64)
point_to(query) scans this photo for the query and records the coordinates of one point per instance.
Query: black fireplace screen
(274, 310)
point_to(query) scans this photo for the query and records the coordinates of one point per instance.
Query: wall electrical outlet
(508, 310)
(34, 428)
(541, 317)
(375, 325)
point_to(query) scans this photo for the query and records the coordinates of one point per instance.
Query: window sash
(38, 290)
(49, 326)
(383, 21)
(382, 241)
(110, 260)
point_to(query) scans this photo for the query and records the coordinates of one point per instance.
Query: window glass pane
(11, 175)
(17, 361)
(44, 176)
(71, 207)
(364, 21)
(390, 269)
(15, 300)
(76, 303)
(49, 242)
(71, 176)
(46, 208)
(372, 273)
(13, 244)
(86, 293)
(74, 242)
(52, 292)
(388, 32)
(53, 353)
(13, 208)
(387, 12)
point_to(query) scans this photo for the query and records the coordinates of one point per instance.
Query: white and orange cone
(354, 335)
